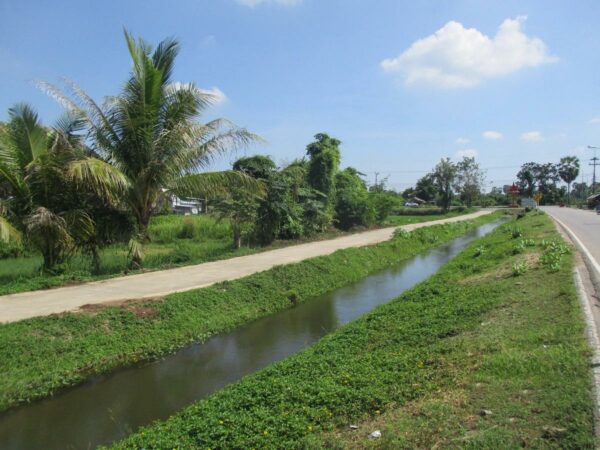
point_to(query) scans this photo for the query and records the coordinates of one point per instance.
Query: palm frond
(104, 179)
(8, 233)
(27, 133)
(210, 184)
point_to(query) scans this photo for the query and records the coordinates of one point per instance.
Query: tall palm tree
(45, 172)
(151, 133)
(568, 169)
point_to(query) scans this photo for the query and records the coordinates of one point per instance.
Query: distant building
(181, 205)
(593, 201)
(187, 206)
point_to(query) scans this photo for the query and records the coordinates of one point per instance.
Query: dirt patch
(145, 308)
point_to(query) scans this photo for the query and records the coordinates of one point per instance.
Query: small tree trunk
(237, 237)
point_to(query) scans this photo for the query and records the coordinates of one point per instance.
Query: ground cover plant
(206, 239)
(471, 358)
(103, 340)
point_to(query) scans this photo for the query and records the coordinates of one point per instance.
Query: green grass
(211, 241)
(422, 368)
(413, 215)
(42, 355)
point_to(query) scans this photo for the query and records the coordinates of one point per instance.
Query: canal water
(107, 408)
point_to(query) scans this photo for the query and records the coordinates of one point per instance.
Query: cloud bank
(458, 57)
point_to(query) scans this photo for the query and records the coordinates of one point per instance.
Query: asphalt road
(584, 225)
(159, 283)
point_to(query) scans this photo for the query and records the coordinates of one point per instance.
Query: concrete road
(584, 226)
(154, 284)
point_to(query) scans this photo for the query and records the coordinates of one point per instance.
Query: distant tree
(542, 177)
(568, 169)
(425, 188)
(408, 193)
(324, 156)
(257, 166)
(352, 206)
(526, 177)
(580, 190)
(241, 208)
(470, 179)
(444, 176)
(383, 204)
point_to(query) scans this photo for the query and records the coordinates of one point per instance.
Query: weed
(519, 268)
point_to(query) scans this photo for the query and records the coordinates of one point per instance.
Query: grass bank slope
(42, 355)
(488, 353)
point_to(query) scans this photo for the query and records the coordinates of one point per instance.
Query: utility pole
(594, 163)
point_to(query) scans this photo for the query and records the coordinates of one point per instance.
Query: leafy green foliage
(352, 205)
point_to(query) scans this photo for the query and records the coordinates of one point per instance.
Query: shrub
(187, 231)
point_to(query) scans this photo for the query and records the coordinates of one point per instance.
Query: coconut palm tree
(151, 132)
(45, 173)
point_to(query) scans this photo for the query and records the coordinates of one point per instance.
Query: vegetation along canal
(110, 407)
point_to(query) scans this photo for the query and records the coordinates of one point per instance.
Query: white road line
(594, 342)
(582, 247)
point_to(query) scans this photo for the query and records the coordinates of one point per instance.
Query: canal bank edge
(104, 340)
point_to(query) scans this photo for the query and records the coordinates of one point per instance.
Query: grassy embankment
(208, 240)
(41, 355)
(488, 353)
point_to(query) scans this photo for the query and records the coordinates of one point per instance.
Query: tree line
(543, 178)
(460, 183)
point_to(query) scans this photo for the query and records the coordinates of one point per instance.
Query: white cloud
(492, 135)
(532, 136)
(253, 3)
(595, 120)
(459, 57)
(467, 153)
(462, 141)
(218, 96)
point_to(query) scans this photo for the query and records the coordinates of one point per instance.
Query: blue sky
(401, 83)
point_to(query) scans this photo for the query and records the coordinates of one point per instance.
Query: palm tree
(46, 172)
(568, 169)
(151, 133)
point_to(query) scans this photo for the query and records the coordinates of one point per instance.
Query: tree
(541, 176)
(352, 206)
(48, 177)
(470, 180)
(568, 169)
(240, 207)
(425, 188)
(257, 166)
(527, 176)
(324, 156)
(580, 190)
(444, 176)
(151, 133)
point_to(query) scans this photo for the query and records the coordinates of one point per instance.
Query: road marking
(582, 247)
(594, 342)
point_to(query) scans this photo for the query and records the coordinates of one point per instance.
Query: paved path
(584, 225)
(154, 284)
